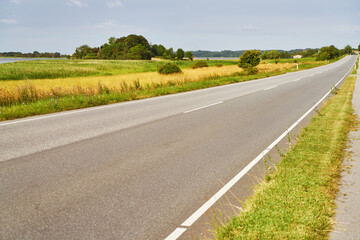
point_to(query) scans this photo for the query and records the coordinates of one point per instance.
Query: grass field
(297, 201)
(19, 91)
(21, 98)
(63, 68)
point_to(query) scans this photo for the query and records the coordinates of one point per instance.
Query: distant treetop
(35, 54)
(132, 47)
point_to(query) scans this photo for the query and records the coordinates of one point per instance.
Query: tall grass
(20, 91)
(32, 97)
(62, 68)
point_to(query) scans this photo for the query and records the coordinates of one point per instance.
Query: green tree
(274, 54)
(308, 52)
(347, 49)
(169, 54)
(265, 55)
(249, 59)
(323, 56)
(82, 51)
(333, 51)
(112, 40)
(139, 52)
(285, 54)
(160, 50)
(180, 54)
(189, 55)
(36, 54)
(270, 54)
(327, 53)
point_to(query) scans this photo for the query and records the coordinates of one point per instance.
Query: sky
(63, 25)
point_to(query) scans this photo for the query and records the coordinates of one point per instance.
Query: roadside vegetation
(297, 199)
(50, 69)
(169, 68)
(129, 80)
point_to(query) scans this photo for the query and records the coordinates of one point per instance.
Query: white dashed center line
(269, 88)
(195, 109)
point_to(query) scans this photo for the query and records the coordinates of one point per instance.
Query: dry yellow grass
(114, 81)
(192, 75)
(11, 91)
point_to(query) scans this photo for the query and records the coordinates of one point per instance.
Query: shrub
(219, 65)
(250, 71)
(249, 59)
(200, 64)
(169, 68)
(189, 55)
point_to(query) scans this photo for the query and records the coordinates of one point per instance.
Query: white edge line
(43, 117)
(176, 233)
(196, 215)
(269, 88)
(195, 109)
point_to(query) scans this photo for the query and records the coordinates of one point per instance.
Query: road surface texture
(138, 170)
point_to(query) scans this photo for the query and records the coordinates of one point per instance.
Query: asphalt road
(137, 170)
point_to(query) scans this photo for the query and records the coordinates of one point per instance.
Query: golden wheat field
(13, 90)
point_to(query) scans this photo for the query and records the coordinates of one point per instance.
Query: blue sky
(63, 25)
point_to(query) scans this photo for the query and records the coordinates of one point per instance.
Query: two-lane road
(137, 170)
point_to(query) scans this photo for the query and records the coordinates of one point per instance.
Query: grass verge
(297, 201)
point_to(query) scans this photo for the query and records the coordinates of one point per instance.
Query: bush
(200, 64)
(169, 68)
(249, 59)
(250, 71)
(219, 65)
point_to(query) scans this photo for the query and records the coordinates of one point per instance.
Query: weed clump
(200, 64)
(169, 68)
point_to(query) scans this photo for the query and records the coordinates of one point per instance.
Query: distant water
(8, 60)
(216, 58)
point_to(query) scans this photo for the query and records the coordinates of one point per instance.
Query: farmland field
(63, 68)
(57, 85)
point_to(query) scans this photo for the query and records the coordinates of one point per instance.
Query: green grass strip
(298, 200)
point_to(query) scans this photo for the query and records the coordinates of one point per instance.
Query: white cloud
(8, 21)
(77, 3)
(250, 28)
(110, 23)
(114, 4)
(16, 2)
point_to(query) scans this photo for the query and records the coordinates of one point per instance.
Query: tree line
(324, 53)
(35, 54)
(131, 47)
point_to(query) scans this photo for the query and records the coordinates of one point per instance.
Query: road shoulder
(347, 219)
